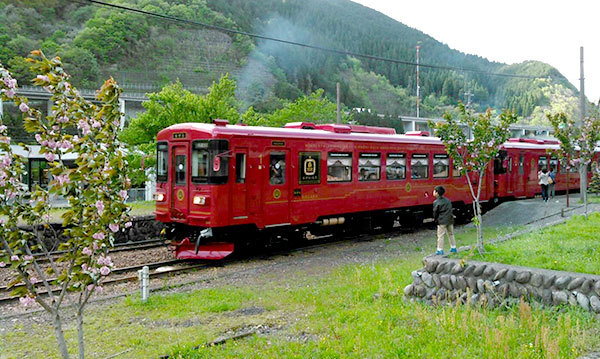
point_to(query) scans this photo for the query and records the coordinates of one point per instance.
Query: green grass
(572, 246)
(357, 311)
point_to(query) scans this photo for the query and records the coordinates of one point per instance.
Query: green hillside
(144, 53)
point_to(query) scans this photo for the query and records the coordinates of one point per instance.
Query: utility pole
(582, 166)
(338, 91)
(468, 94)
(418, 87)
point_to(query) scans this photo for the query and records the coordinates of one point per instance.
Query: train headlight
(199, 200)
(159, 197)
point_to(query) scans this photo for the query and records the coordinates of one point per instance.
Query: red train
(217, 183)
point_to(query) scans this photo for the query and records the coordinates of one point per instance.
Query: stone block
(562, 282)
(457, 268)
(559, 297)
(549, 281)
(515, 290)
(479, 269)
(408, 290)
(546, 296)
(469, 270)
(461, 283)
(500, 274)
(510, 275)
(583, 301)
(503, 290)
(453, 281)
(427, 279)
(420, 290)
(595, 303)
(415, 275)
(445, 279)
(472, 283)
(537, 280)
(575, 283)
(489, 272)
(573, 299)
(480, 286)
(431, 266)
(586, 286)
(597, 287)
(440, 268)
(436, 280)
(523, 277)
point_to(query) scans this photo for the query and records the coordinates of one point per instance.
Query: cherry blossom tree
(95, 188)
(473, 156)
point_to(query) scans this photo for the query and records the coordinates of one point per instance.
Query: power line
(315, 47)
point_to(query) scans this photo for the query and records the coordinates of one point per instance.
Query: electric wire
(294, 43)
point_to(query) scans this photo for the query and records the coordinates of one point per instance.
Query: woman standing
(543, 178)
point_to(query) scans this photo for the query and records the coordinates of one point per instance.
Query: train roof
(302, 130)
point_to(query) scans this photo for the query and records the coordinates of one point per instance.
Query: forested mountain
(144, 53)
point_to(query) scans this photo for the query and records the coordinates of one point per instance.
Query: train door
(520, 177)
(276, 208)
(179, 183)
(239, 188)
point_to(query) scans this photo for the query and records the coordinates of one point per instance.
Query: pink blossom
(62, 179)
(38, 137)
(26, 301)
(49, 156)
(104, 270)
(86, 251)
(28, 258)
(66, 145)
(100, 207)
(2, 128)
(83, 126)
(95, 245)
(23, 107)
(10, 83)
(98, 289)
(90, 287)
(123, 194)
(84, 266)
(114, 227)
(5, 160)
(67, 86)
(52, 144)
(75, 138)
(2, 264)
(128, 224)
(99, 236)
(96, 124)
(55, 128)
(62, 119)
(43, 78)
(44, 143)
(10, 93)
(5, 139)
(11, 194)
(33, 280)
(14, 258)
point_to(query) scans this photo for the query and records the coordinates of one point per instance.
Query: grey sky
(511, 31)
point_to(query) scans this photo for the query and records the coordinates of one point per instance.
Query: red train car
(217, 183)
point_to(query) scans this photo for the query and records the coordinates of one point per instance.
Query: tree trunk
(480, 247)
(568, 170)
(80, 333)
(59, 334)
(583, 186)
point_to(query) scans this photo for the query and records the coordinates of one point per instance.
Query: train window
(39, 173)
(553, 164)
(395, 166)
(277, 170)
(310, 168)
(162, 162)
(441, 166)
(419, 166)
(521, 164)
(180, 169)
(200, 161)
(542, 163)
(339, 167)
(510, 164)
(240, 167)
(369, 166)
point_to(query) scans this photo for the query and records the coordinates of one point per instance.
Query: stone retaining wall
(143, 227)
(443, 280)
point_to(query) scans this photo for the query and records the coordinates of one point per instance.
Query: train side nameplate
(179, 135)
(278, 143)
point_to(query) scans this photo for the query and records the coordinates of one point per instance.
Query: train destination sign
(310, 167)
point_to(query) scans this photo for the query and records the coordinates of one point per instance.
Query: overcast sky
(511, 31)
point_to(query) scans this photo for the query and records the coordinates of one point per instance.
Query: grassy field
(572, 246)
(357, 311)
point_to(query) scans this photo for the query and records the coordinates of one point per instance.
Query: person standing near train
(442, 214)
(551, 182)
(544, 179)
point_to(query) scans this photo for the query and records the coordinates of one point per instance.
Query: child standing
(442, 214)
